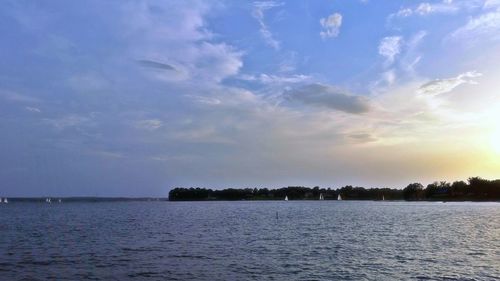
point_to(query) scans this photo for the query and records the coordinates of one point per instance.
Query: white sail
(339, 197)
(321, 196)
(286, 198)
(383, 198)
(5, 201)
(60, 201)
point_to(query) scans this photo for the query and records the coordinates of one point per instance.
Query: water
(311, 240)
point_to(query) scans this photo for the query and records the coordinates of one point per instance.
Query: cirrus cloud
(258, 14)
(441, 86)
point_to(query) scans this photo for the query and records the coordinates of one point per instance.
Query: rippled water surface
(306, 240)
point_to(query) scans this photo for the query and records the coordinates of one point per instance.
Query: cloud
(491, 4)
(149, 124)
(328, 97)
(362, 137)
(484, 26)
(276, 79)
(331, 25)
(441, 86)
(412, 57)
(426, 8)
(32, 109)
(72, 120)
(389, 77)
(258, 14)
(216, 62)
(156, 65)
(403, 51)
(107, 154)
(390, 47)
(176, 36)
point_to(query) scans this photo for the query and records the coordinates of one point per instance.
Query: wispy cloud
(426, 8)
(411, 58)
(390, 47)
(485, 26)
(68, 121)
(491, 4)
(331, 25)
(107, 154)
(441, 86)
(276, 79)
(149, 124)
(33, 109)
(401, 58)
(259, 14)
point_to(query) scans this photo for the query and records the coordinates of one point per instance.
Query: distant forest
(475, 189)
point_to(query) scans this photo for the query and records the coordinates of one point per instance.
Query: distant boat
(286, 198)
(383, 198)
(321, 196)
(5, 200)
(1, 200)
(47, 200)
(60, 200)
(339, 197)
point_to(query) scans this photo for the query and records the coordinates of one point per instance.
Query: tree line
(475, 189)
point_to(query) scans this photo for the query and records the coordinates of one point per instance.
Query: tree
(413, 191)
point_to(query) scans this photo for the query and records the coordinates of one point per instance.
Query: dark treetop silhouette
(477, 189)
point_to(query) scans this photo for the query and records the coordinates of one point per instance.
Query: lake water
(310, 240)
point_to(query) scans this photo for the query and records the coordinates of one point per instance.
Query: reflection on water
(310, 240)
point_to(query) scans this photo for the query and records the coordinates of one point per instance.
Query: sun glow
(495, 140)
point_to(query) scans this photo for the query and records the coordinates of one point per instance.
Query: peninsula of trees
(475, 189)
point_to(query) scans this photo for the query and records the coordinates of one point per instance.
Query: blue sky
(133, 98)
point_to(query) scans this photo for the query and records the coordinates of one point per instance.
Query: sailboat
(1, 200)
(5, 200)
(383, 198)
(321, 196)
(286, 198)
(47, 200)
(339, 197)
(60, 201)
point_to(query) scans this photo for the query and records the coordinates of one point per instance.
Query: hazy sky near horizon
(131, 98)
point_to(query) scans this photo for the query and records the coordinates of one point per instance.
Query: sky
(133, 98)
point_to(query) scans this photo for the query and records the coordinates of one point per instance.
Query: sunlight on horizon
(495, 140)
